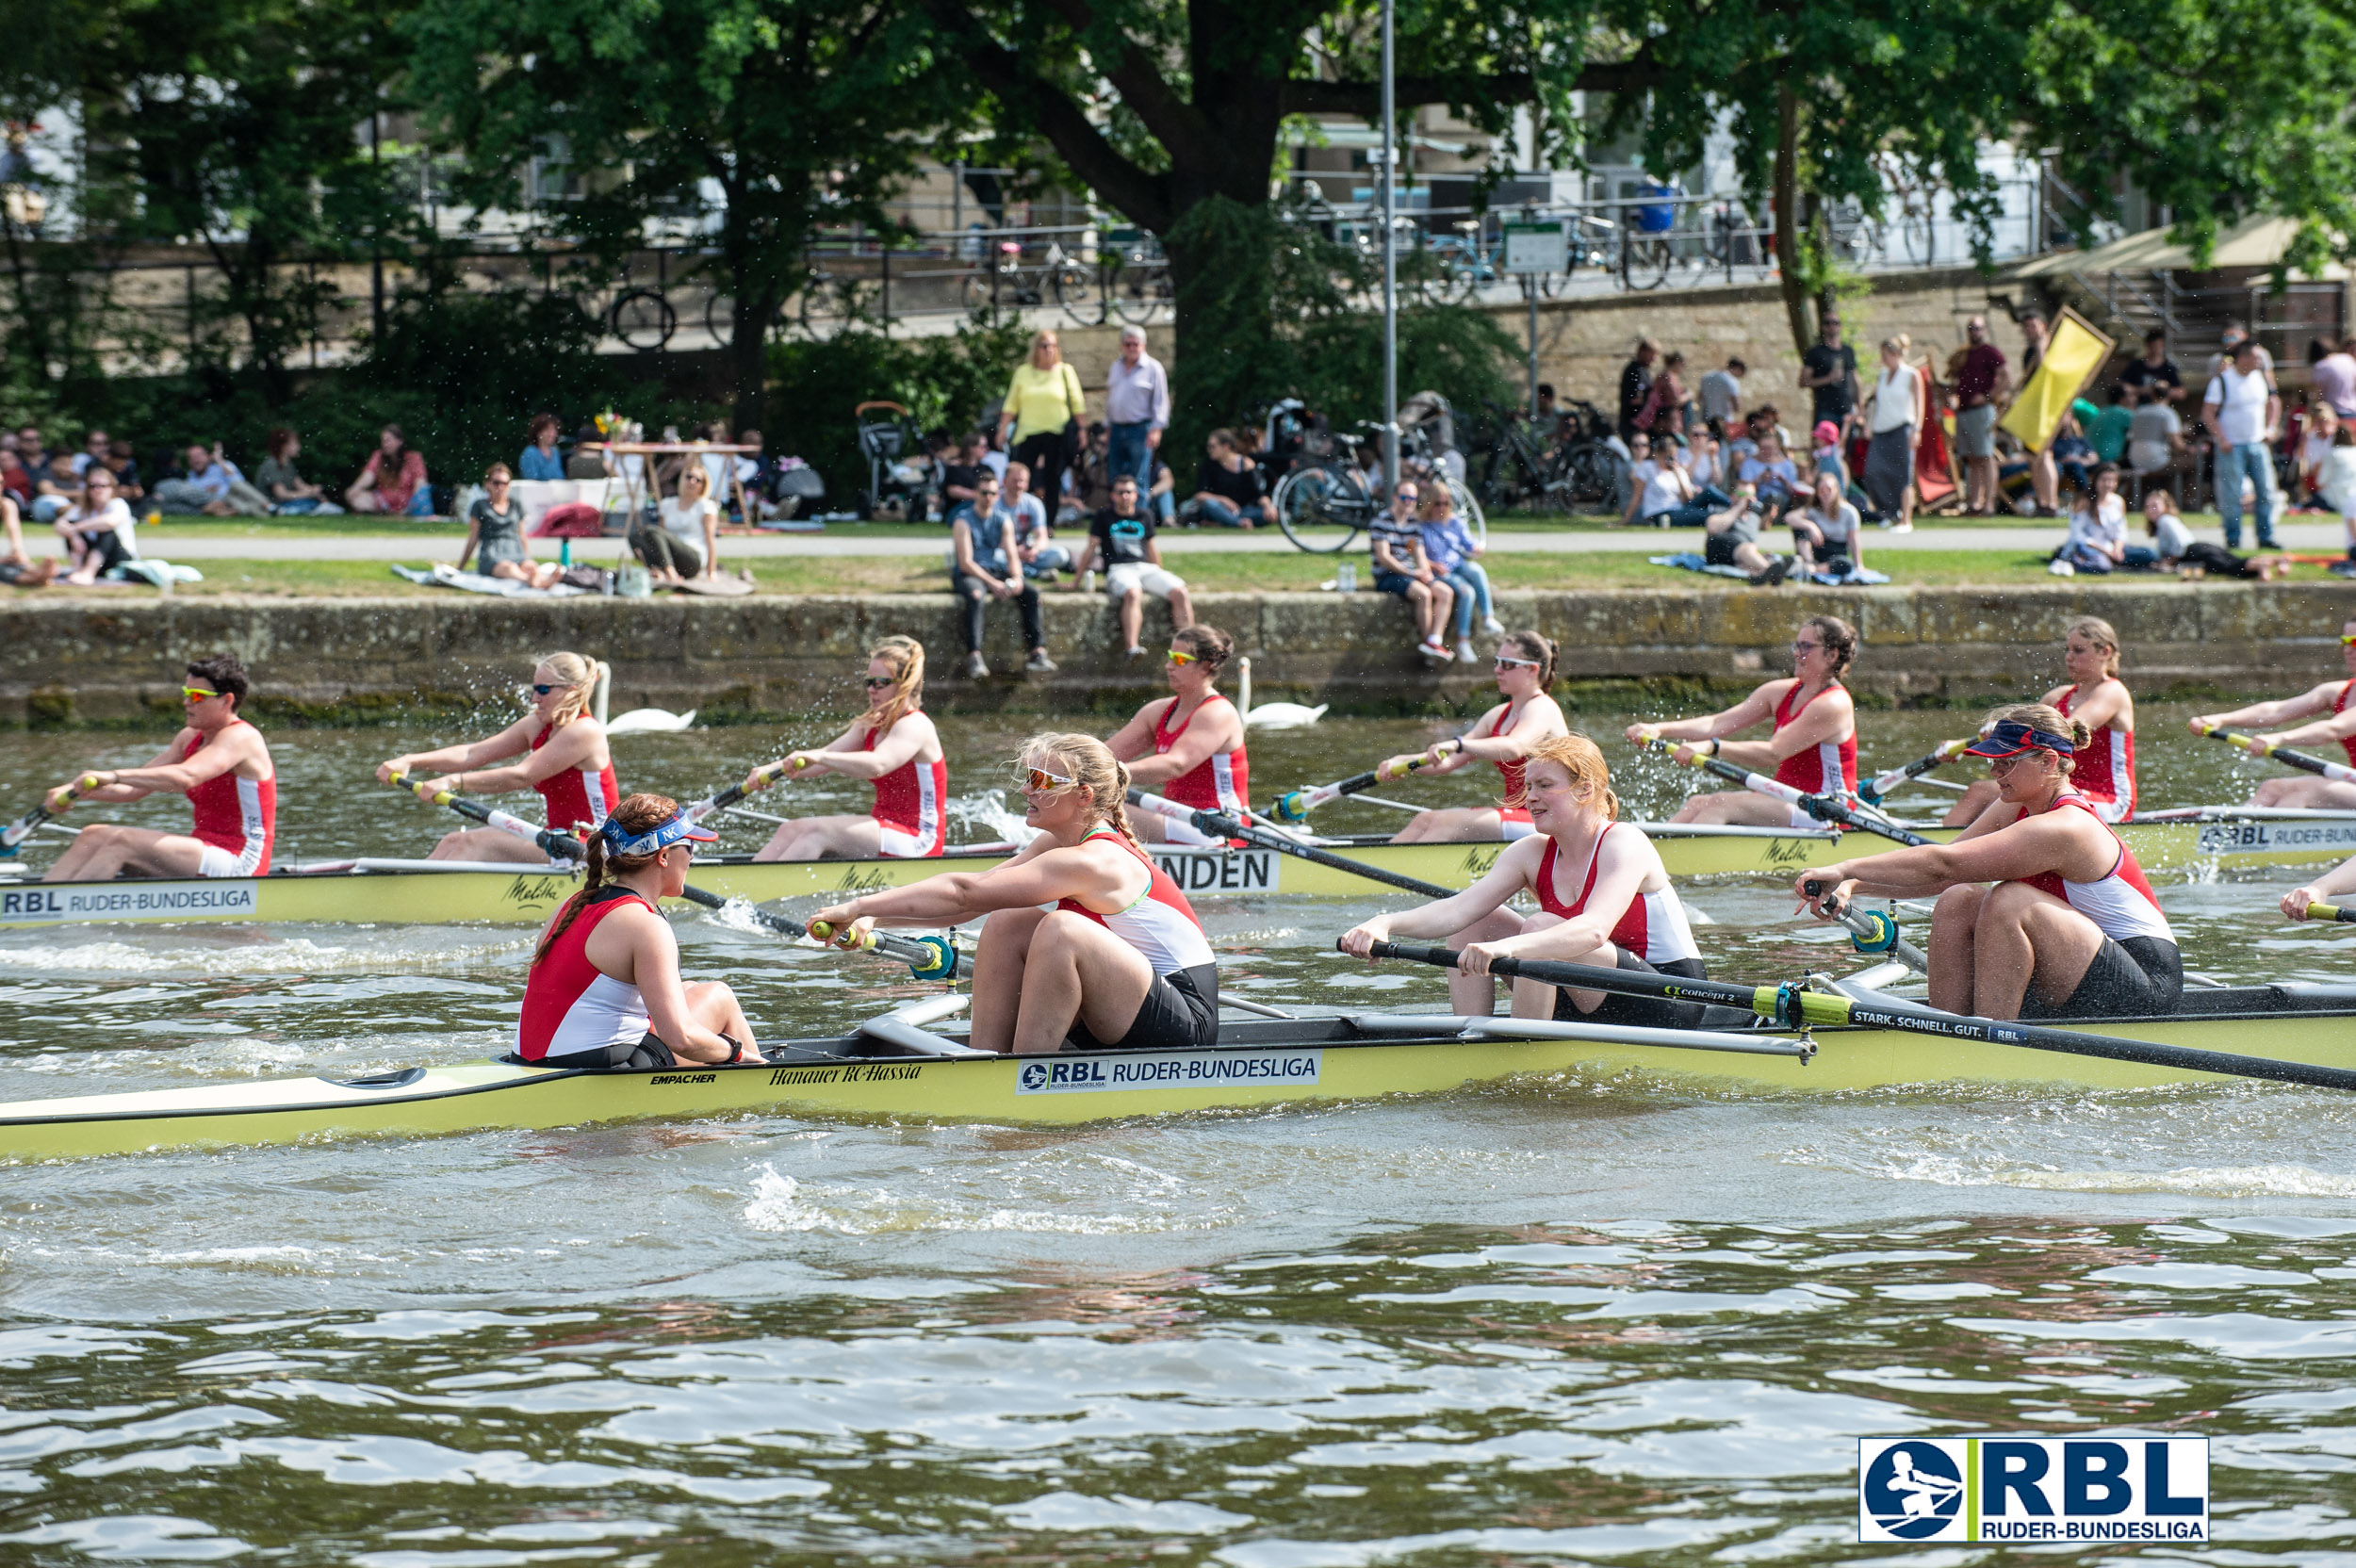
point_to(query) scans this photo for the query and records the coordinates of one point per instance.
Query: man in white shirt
(2243, 410)
(1721, 394)
(1136, 408)
(2232, 338)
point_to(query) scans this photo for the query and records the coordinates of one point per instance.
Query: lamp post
(1390, 255)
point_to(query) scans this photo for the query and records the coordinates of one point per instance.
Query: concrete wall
(345, 660)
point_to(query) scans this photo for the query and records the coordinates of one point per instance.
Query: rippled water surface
(1544, 1323)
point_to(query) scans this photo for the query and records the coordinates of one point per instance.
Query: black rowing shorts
(2140, 977)
(647, 1053)
(1646, 1012)
(1180, 1013)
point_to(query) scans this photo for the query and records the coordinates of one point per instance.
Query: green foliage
(945, 382)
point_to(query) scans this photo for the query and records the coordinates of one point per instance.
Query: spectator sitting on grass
(125, 463)
(2174, 549)
(958, 487)
(1122, 535)
(1228, 491)
(94, 447)
(540, 461)
(1450, 548)
(684, 541)
(290, 495)
(2320, 428)
(1774, 477)
(1827, 534)
(98, 532)
(496, 523)
(982, 567)
(2072, 454)
(211, 486)
(1732, 540)
(1033, 538)
(2097, 528)
(1659, 490)
(2108, 430)
(17, 568)
(14, 482)
(56, 488)
(1402, 570)
(393, 483)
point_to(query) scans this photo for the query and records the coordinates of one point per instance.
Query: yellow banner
(2073, 352)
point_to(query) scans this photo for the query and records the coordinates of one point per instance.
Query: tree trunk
(1787, 210)
(748, 361)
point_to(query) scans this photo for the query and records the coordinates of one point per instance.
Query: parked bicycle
(1136, 283)
(1006, 280)
(1571, 471)
(1325, 501)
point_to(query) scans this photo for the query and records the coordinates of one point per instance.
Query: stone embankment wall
(65, 662)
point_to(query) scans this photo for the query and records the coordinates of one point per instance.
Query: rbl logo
(2084, 1488)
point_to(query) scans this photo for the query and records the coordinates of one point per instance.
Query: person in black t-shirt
(2154, 377)
(957, 486)
(1227, 490)
(1122, 535)
(1829, 371)
(1636, 385)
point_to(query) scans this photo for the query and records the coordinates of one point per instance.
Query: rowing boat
(398, 892)
(1255, 1064)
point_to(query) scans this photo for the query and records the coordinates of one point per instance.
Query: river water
(1545, 1323)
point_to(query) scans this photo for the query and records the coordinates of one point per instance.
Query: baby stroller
(900, 473)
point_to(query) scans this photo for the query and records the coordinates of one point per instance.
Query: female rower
(2070, 927)
(1188, 747)
(1503, 736)
(1814, 743)
(893, 746)
(2337, 723)
(2096, 697)
(1085, 941)
(220, 762)
(2339, 879)
(1603, 896)
(604, 987)
(564, 758)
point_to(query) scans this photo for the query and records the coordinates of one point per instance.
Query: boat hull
(1255, 1066)
(529, 896)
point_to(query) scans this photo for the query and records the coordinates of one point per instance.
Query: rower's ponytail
(1535, 646)
(638, 814)
(2100, 632)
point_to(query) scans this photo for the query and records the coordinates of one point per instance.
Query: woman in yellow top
(1043, 398)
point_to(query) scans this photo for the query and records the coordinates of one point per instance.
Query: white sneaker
(2062, 568)
(976, 667)
(1902, 528)
(1493, 627)
(1465, 654)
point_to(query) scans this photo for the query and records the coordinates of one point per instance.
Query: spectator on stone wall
(394, 482)
(983, 566)
(1122, 535)
(1403, 570)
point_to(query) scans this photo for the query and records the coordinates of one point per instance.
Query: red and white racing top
(576, 797)
(2339, 706)
(1221, 782)
(2120, 902)
(1829, 767)
(571, 1004)
(1160, 924)
(911, 803)
(235, 815)
(1653, 926)
(2106, 770)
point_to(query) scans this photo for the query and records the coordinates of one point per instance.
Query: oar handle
(927, 957)
(721, 800)
(22, 829)
(2276, 752)
(1823, 808)
(1296, 804)
(1880, 786)
(560, 846)
(2332, 912)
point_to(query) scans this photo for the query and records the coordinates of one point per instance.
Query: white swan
(643, 721)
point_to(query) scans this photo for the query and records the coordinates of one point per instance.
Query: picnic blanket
(443, 575)
(155, 573)
(1862, 577)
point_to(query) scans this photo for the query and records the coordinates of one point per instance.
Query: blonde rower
(1188, 747)
(2096, 697)
(2069, 927)
(2334, 717)
(893, 746)
(1085, 941)
(1603, 899)
(1503, 737)
(565, 757)
(1814, 743)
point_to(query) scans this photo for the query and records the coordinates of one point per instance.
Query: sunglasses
(877, 684)
(196, 693)
(540, 689)
(1506, 664)
(2348, 639)
(1175, 657)
(1038, 781)
(1808, 647)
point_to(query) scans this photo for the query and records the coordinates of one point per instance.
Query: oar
(2317, 765)
(561, 845)
(1823, 808)
(2333, 911)
(13, 836)
(1789, 1006)
(1880, 786)
(927, 957)
(1873, 931)
(720, 801)
(1296, 804)
(1219, 825)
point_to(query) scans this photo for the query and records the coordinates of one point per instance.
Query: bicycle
(1325, 502)
(1516, 473)
(1137, 281)
(1069, 282)
(642, 319)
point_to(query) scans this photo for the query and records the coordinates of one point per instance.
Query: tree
(781, 116)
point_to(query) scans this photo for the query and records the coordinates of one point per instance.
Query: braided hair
(636, 815)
